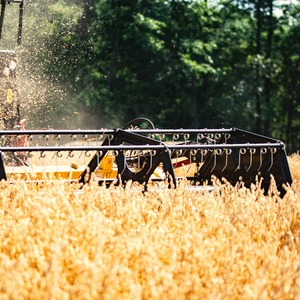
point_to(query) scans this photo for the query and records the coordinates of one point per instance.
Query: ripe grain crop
(57, 242)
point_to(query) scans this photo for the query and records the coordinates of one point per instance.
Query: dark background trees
(179, 63)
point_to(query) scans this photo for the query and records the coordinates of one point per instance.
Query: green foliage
(179, 63)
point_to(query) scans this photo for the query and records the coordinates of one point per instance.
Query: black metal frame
(21, 11)
(258, 158)
(233, 154)
(161, 155)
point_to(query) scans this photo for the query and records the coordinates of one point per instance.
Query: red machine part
(21, 141)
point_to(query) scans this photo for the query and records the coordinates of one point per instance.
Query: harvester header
(150, 155)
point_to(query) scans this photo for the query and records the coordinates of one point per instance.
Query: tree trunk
(206, 97)
(269, 67)
(258, 49)
(291, 143)
(205, 83)
(289, 124)
(85, 18)
(195, 104)
(113, 60)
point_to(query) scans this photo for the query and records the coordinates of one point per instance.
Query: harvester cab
(9, 95)
(21, 10)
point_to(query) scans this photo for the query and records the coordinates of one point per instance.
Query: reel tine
(98, 161)
(186, 136)
(217, 136)
(216, 152)
(200, 137)
(29, 155)
(70, 158)
(215, 158)
(176, 161)
(115, 153)
(252, 151)
(190, 162)
(193, 153)
(57, 155)
(80, 155)
(73, 137)
(227, 136)
(241, 152)
(262, 151)
(175, 137)
(13, 162)
(227, 152)
(215, 161)
(70, 165)
(272, 150)
(203, 152)
(98, 154)
(124, 166)
(178, 153)
(42, 156)
(152, 153)
(110, 137)
(139, 159)
(70, 155)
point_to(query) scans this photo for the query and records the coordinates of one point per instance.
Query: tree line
(192, 64)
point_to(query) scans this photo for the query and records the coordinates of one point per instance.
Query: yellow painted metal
(9, 97)
(107, 169)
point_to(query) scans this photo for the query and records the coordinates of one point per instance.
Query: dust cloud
(47, 97)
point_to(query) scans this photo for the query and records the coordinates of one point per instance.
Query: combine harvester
(137, 155)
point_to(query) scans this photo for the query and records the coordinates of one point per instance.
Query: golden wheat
(57, 242)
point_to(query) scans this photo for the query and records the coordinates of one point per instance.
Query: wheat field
(60, 243)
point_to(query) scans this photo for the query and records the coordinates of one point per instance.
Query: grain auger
(144, 155)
